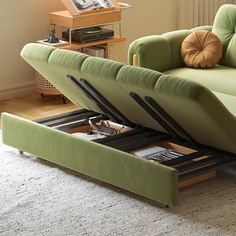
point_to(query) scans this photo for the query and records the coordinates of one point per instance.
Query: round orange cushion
(201, 49)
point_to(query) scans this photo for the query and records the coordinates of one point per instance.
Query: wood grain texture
(65, 19)
(197, 179)
(33, 106)
(77, 45)
(135, 60)
(75, 12)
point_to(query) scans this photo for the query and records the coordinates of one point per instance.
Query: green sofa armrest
(158, 52)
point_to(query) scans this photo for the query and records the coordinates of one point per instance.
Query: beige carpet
(41, 199)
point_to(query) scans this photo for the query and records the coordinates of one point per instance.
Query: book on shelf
(94, 51)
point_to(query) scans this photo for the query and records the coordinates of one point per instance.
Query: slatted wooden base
(197, 179)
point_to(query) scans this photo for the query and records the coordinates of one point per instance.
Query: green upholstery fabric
(34, 51)
(203, 27)
(101, 68)
(224, 27)
(198, 111)
(123, 170)
(65, 63)
(190, 104)
(229, 101)
(175, 40)
(209, 118)
(141, 81)
(208, 115)
(219, 78)
(158, 52)
(115, 81)
(62, 62)
(161, 52)
(103, 75)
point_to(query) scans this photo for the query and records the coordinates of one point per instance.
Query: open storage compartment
(111, 149)
(192, 165)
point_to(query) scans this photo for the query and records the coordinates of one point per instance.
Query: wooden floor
(33, 106)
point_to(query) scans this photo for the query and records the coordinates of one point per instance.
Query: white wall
(27, 21)
(20, 22)
(149, 17)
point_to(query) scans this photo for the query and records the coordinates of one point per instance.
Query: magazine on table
(82, 5)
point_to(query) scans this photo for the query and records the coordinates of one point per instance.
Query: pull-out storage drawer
(110, 159)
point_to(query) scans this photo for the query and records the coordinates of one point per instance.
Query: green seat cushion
(219, 78)
(229, 101)
(198, 111)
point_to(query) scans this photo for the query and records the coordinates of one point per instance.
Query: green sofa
(162, 53)
(202, 122)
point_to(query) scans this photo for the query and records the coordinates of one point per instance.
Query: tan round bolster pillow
(201, 49)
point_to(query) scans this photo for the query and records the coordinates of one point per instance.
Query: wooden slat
(135, 60)
(197, 179)
(108, 41)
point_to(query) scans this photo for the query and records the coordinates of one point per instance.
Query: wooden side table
(114, 46)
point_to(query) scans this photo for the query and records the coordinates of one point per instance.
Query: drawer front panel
(146, 178)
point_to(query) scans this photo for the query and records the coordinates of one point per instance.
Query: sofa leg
(21, 152)
(135, 60)
(65, 100)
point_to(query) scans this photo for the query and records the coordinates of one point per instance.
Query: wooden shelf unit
(114, 45)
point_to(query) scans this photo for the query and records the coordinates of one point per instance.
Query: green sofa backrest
(224, 27)
(56, 64)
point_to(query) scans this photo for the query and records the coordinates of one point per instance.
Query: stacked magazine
(92, 4)
(158, 154)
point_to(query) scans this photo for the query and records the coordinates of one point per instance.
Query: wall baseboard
(17, 91)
